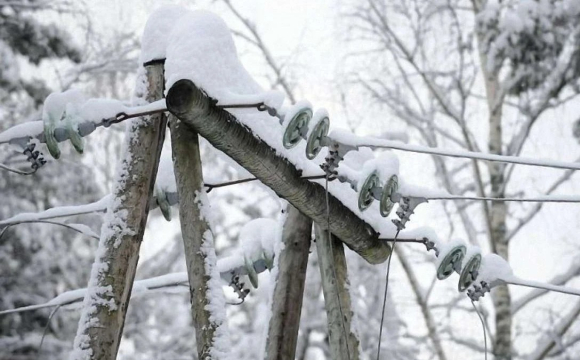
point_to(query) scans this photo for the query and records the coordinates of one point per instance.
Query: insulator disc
(469, 272)
(252, 274)
(319, 131)
(296, 127)
(391, 187)
(51, 142)
(365, 196)
(76, 140)
(453, 257)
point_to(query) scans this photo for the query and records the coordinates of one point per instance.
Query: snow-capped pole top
(157, 30)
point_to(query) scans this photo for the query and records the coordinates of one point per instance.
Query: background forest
(480, 75)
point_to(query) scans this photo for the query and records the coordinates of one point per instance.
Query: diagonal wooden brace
(192, 106)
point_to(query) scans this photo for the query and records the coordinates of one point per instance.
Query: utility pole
(344, 343)
(109, 290)
(289, 290)
(192, 106)
(197, 235)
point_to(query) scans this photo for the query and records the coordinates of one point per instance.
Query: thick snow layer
(257, 237)
(165, 174)
(24, 130)
(157, 30)
(494, 268)
(56, 103)
(202, 50)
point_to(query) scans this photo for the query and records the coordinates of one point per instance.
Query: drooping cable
(16, 171)
(483, 327)
(386, 292)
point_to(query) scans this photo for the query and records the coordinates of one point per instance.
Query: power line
(385, 295)
(396, 145)
(483, 327)
(537, 199)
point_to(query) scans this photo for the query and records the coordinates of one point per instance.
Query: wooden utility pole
(192, 106)
(344, 343)
(289, 290)
(109, 290)
(196, 232)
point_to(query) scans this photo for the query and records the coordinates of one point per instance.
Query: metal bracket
(34, 157)
(407, 205)
(239, 287)
(476, 292)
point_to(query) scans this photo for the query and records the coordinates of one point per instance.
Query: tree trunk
(204, 283)
(289, 290)
(223, 131)
(344, 343)
(420, 297)
(109, 290)
(498, 210)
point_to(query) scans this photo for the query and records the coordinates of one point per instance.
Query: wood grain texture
(289, 290)
(223, 131)
(337, 300)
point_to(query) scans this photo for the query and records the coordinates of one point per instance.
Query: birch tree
(474, 75)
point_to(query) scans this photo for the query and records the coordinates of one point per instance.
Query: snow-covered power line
(317, 136)
(231, 268)
(349, 139)
(114, 112)
(541, 199)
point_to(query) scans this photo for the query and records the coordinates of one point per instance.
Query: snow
(216, 304)
(272, 98)
(158, 27)
(257, 237)
(140, 287)
(165, 175)
(366, 141)
(24, 130)
(56, 103)
(60, 211)
(95, 110)
(386, 164)
(445, 248)
(493, 269)
(202, 50)
(114, 228)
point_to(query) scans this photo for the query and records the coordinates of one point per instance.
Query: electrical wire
(395, 145)
(53, 312)
(483, 327)
(386, 292)
(210, 187)
(479, 198)
(16, 171)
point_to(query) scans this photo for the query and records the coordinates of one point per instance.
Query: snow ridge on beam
(192, 106)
